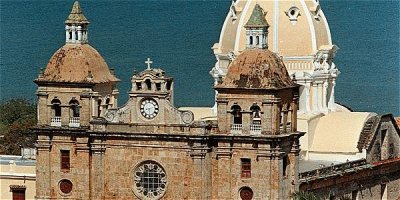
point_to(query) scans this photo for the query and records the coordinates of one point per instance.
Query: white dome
(297, 27)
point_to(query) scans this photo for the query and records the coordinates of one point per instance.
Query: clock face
(149, 108)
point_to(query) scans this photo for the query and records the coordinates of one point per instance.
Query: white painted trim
(311, 58)
(311, 25)
(276, 18)
(328, 30)
(240, 25)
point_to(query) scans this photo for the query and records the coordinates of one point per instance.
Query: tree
(17, 116)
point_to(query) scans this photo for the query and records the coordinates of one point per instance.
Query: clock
(149, 108)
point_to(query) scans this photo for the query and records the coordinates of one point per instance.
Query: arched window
(70, 35)
(74, 108)
(99, 108)
(107, 103)
(251, 40)
(148, 84)
(257, 40)
(237, 114)
(255, 114)
(56, 107)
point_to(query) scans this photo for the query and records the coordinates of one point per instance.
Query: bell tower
(257, 29)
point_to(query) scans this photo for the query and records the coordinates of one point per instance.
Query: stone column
(223, 117)
(73, 35)
(82, 169)
(284, 114)
(43, 173)
(65, 114)
(276, 116)
(331, 104)
(294, 167)
(222, 172)
(79, 34)
(246, 121)
(325, 96)
(314, 97)
(266, 117)
(201, 177)
(98, 149)
(66, 33)
(319, 96)
(307, 88)
(294, 107)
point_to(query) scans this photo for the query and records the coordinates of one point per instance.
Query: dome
(296, 28)
(257, 69)
(77, 63)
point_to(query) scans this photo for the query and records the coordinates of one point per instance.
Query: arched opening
(257, 40)
(169, 85)
(56, 107)
(246, 193)
(251, 40)
(107, 103)
(255, 126)
(148, 84)
(74, 113)
(255, 114)
(99, 108)
(237, 114)
(70, 35)
(74, 108)
(56, 112)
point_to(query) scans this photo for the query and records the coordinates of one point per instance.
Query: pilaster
(97, 153)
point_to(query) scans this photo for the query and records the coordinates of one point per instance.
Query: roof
(257, 69)
(257, 18)
(76, 16)
(77, 63)
(344, 125)
(369, 130)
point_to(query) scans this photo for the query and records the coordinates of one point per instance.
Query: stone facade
(148, 149)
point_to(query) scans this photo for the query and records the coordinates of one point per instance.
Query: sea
(178, 36)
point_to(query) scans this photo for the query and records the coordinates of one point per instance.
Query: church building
(89, 148)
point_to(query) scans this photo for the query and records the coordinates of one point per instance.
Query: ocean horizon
(178, 36)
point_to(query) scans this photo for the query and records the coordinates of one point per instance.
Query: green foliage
(17, 116)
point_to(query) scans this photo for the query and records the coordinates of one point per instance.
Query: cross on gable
(148, 62)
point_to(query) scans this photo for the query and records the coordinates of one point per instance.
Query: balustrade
(236, 128)
(55, 121)
(255, 129)
(74, 122)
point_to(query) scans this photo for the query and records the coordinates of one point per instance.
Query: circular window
(150, 180)
(65, 186)
(246, 193)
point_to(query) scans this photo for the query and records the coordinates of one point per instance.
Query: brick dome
(77, 63)
(257, 69)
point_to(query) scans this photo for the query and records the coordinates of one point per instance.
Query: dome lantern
(76, 26)
(256, 29)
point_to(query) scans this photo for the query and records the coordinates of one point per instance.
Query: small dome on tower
(257, 69)
(76, 63)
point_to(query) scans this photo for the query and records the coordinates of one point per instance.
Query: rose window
(150, 180)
